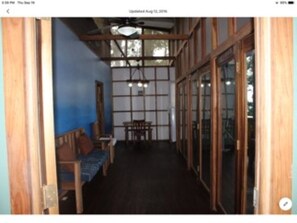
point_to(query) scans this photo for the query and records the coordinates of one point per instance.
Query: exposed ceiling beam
(138, 58)
(140, 37)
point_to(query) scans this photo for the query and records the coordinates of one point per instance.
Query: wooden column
(29, 129)
(15, 115)
(274, 114)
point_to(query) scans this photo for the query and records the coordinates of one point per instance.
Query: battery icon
(291, 2)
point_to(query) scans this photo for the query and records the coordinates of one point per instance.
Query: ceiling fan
(125, 26)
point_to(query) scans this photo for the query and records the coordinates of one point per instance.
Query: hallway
(145, 179)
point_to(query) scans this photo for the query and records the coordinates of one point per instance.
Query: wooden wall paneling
(15, 116)
(274, 101)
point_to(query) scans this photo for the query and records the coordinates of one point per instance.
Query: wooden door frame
(194, 77)
(202, 72)
(23, 127)
(274, 103)
(100, 85)
(229, 54)
(247, 44)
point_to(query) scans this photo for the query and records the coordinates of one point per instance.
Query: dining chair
(139, 129)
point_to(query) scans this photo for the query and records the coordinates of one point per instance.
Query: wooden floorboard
(145, 179)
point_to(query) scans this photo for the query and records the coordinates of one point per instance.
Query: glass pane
(195, 134)
(227, 101)
(157, 48)
(250, 90)
(222, 30)
(208, 35)
(205, 100)
(134, 48)
(240, 22)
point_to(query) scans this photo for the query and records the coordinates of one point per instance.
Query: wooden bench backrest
(71, 138)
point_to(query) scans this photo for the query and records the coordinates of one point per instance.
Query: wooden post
(274, 103)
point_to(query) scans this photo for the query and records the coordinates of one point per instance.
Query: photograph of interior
(147, 115)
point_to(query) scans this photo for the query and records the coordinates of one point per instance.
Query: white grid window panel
(162, 102)
(119, 118)
(121, 103)
(162, 73)
(151, 117)
(172, 73)
(120, 74)
(151, 88)
(149, 73)
(120, 88)
(163, 87)
(137, 115)
(150, 103)
(137, 103)
(163, 118)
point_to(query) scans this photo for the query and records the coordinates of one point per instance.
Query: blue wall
(76, 68)
(294, 186)
(4, 179)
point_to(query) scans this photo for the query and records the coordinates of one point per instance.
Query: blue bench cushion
(90, 165)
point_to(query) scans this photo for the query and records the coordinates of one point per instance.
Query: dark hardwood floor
(145, 179)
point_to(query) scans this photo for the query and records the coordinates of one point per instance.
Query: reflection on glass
(205, 91)
(195, 133)
(250, 80)
(227, 102)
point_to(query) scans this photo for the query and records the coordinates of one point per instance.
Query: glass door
(195, 124)
(227, 138)
(249, 152)
(205, 125)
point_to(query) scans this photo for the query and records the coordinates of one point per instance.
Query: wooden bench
(80, 162)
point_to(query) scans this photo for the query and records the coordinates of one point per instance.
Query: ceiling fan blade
(134, 35)
(99, 30)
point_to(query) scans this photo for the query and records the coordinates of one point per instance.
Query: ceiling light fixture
(141, 81)
(127, 30)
